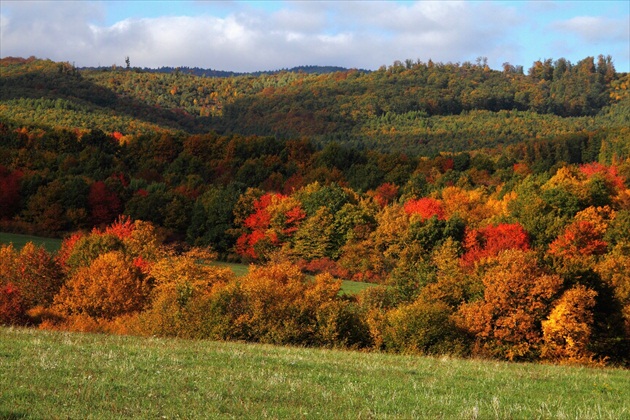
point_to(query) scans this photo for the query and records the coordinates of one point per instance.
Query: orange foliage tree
(385, 194)
(614, 270)
(111, 286)
(107, 275)
(516, 298)
(425, 207)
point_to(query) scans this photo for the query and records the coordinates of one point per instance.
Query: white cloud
(41, 27)
(364, 34)
(595, 29)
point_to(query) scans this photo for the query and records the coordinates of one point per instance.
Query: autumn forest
(489, 210)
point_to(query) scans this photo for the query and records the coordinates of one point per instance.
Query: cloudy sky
(268, 35)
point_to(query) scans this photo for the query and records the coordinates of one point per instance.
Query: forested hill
(491, 207)
(203, 72)
(416, 107)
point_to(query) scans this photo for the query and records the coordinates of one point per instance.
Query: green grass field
(353, 287)
(347, 286)
(71, 375)
(18, 241)
(237, 269)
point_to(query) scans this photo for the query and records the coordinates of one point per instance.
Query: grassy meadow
(347, 286)
(18, 241)
(47, 374)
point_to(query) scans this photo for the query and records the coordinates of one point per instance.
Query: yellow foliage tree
(473, 206)
(568, 178)
(599, 217)
(183, 287)
(567, 331)
(614, 270)
(453, 286)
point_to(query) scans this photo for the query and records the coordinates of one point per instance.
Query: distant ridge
(201, 72)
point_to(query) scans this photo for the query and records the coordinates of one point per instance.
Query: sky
(245, 36)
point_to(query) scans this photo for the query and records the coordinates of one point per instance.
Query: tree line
(520, 254)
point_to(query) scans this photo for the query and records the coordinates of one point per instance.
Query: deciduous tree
(516, 299)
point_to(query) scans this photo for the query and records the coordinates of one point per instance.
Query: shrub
(109, 287)
(423, 328)
(12, 306)
(340, 324)
(183, 294)
(28, 278)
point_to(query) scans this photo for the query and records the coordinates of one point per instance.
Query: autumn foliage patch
(491, 240)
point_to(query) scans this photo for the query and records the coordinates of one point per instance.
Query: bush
(181, 302)
(423, 328)
(109, 287)
(12, 307)
(28, 278)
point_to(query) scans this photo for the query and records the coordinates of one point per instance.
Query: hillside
(203, 72)
(415, 107)
(49, 374)
(490, 208)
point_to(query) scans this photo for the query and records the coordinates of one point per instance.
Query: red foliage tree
(122, 228)
(9, 192)
(265, 228)
(104, 204)
(261, 218)
(293, 217)
(580, 239)
(490, 240)
(12, 306)
(426, 207)
(67, 246)
(609, 173)
(385, 194)
(246, 242)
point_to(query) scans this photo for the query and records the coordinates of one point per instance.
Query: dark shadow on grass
(10, 415)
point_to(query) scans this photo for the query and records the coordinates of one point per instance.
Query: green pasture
(51, 375)
(18, 241)
(347, 286)
(237, 269)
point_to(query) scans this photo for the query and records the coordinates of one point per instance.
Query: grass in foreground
(65, 375)
(51, 244)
